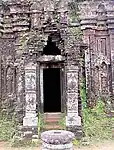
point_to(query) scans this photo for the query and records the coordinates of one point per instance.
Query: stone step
(52, 127)
(52, 120)
(52, 116)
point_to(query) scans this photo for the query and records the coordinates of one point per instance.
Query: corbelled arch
(35, 42)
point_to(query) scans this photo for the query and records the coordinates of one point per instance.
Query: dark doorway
(52, 90)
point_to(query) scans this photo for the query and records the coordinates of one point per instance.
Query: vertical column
(30, 118)
(36, 14)
(1, 43)
(19, 89)
(0, 76)
(38, 102)
(73, 120)
(62, 85)
(41, 89)
(88, 37)
(110, 20)
(112, 56)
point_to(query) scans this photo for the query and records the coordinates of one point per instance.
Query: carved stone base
(73, 120)
(73, 124)
(30, 121)
(77, 130)
(28, 133)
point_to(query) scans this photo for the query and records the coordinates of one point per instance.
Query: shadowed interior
(52, 90)
(51, 48)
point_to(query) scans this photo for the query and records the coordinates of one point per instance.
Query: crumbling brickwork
(97, 24)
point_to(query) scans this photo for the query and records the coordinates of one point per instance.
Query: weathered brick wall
(26, 27)
(97, 23)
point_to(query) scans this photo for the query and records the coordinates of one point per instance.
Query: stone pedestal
(57, 140)
(73, 124)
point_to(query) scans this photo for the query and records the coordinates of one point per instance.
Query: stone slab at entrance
(52, 121)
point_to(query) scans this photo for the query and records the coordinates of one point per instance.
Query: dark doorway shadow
(52, 90)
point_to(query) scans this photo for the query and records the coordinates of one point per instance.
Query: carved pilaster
(72, 50)
(36, 15)
(20, 89)
(41, 90)
(73, 119)
(89, 39)
(1, 31)
(0, 76)
(38, 102)
(111, 33)
(30, 118)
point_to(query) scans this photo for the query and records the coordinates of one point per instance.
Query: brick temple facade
(43, 61)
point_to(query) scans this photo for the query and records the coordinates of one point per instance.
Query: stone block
(30, 121)
(77, 130)
(35, 137)
(73, 120)
(28, 135)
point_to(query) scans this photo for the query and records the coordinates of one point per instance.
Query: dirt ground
(106, 145)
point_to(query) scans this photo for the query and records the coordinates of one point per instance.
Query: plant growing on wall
(74, 15)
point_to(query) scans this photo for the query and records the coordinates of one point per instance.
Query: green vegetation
(76, 142)
(41, 123)
(8, 127)
(74, 11)
(17, 142)
(96, 124)
(62, 122)
(76, 31)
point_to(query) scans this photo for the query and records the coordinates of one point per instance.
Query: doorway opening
(52, 90)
